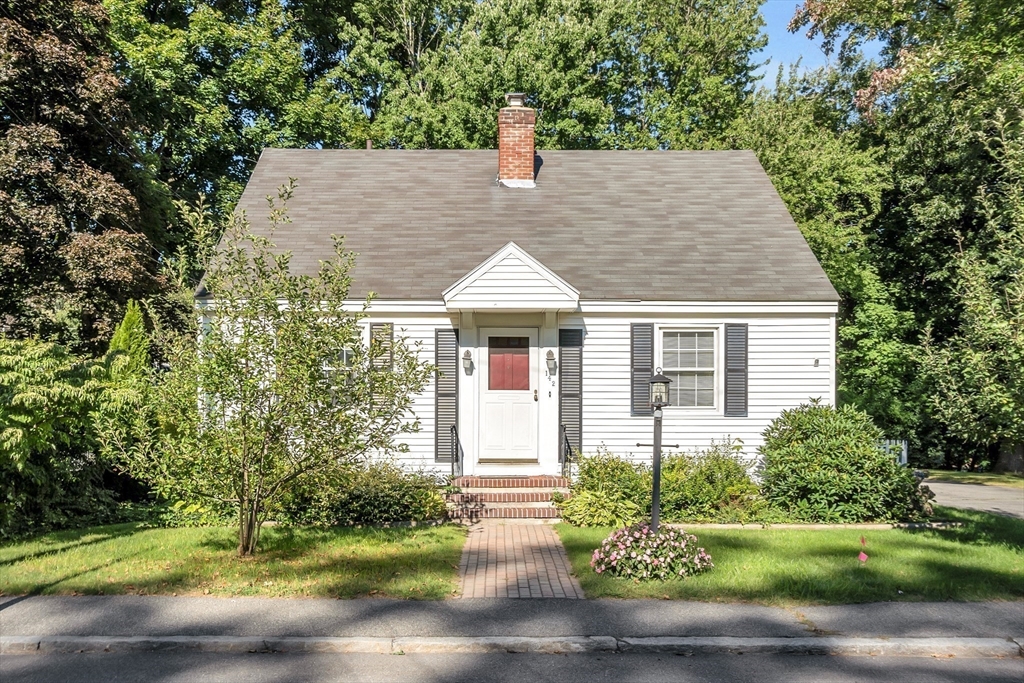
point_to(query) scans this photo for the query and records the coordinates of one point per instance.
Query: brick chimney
(515, 142)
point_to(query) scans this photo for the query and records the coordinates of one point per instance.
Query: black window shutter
(735, 370)
(446, 391)
(641, 366)
(570, 385)
(383, 334)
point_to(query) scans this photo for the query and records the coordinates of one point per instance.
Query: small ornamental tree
(277, 383)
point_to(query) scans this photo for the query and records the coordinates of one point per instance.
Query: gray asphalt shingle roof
(656, 226)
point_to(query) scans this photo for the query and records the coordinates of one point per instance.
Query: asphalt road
(1002, 500)
(515, 668)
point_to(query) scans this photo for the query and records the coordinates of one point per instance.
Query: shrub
(713, 484)
(710, 485)
(376, 493)
(599, 508)
(822, 464)
(50, 474)
(637, 552)
(604, 471)
(181, 514)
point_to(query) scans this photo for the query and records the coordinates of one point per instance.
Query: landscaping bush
(180, 514)
(376, 493)
(50, 474)
(709, 485)
(637, 552)
(822, 464)
(599, 508)
(607, 472)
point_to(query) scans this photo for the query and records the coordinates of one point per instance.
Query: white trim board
(707, 307)
(637, 307)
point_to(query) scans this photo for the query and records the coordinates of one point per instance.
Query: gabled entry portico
(508, 310)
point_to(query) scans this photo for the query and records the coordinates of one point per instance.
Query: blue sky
(785, 47)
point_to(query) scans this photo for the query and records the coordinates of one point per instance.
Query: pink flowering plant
(636, 552)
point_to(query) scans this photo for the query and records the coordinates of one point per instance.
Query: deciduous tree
(283, 384)
(80, 215)
(979, 372)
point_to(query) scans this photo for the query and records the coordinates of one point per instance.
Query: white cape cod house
(547, 288)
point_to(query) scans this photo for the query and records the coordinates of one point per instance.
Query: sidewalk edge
(825, 645)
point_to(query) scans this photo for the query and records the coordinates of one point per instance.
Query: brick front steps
(540, 481)
(533, 497)
(505, 498)
(472, 515)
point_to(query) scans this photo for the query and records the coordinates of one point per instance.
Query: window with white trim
(338, 371)
(688, 359)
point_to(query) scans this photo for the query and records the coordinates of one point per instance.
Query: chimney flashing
(512, 182)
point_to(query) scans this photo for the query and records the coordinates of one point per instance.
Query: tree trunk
(248, 528)
(1011, 457)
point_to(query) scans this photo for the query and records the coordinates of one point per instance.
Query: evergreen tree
(131, 341)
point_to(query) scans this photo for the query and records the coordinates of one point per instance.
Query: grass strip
(1004, 479)
(981, 560)
(416, 563)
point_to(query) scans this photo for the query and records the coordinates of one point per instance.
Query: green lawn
(419, 563)
(981, 561)
(1015, 481)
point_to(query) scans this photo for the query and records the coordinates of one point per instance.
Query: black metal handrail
(457, 453)
(566, 454)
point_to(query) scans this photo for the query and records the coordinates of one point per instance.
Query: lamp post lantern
(659, 399)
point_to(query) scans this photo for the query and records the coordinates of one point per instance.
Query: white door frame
(533, 334)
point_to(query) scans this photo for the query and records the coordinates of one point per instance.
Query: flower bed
(637, 552)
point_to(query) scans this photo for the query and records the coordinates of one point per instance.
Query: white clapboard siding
(781, 375)
(418, 330)
(781, 354)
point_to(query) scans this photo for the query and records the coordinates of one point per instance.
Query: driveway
(1001, 500)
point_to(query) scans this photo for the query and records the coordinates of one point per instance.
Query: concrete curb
(829, 645)
(819, 527)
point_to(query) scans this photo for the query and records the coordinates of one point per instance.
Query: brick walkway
(515, 560)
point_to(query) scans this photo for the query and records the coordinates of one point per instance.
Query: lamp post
(659, 399)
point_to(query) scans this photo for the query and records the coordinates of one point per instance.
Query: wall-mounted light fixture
(815, 362)
(467, 362)
(552, 365)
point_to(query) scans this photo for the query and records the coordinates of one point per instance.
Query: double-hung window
(688, 359)
(337, 371)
